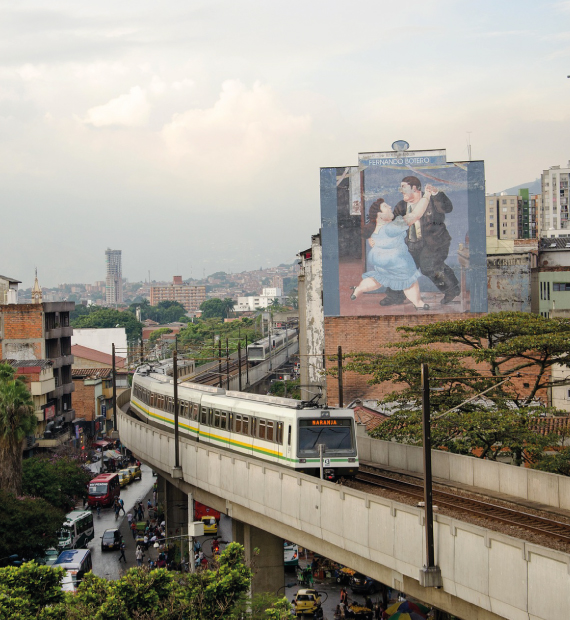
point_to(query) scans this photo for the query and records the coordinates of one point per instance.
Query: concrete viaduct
(486, 575)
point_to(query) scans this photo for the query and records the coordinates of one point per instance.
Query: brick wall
(84, 400)
(22, 321)
(369, 334)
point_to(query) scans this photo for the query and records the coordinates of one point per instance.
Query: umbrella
(408, 607)
(404, 615)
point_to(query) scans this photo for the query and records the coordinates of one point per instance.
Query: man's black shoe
(391, 301)
(450, 295)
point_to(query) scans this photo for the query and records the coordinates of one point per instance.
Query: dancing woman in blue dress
(389, 259)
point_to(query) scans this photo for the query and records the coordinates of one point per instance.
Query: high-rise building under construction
(114, 280)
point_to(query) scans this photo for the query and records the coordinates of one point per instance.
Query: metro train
(273, 429)
(262, 349)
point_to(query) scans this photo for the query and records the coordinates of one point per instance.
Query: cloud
(246, 126)
(130, 110)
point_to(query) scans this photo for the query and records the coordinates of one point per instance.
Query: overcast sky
(190, 134)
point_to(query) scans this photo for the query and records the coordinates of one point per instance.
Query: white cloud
(244, 129)
(130, 110)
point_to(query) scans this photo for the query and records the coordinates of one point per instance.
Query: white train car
(261, 350)
(273, 429)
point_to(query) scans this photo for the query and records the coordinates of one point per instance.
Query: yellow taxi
(135, 472)
(307, 603)
(124, 477)
(210, 525)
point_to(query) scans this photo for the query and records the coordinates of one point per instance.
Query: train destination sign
(325, 422)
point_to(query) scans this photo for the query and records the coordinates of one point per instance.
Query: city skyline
(129, 127)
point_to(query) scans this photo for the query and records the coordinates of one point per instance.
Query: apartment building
(511, 216)
(114, 279)
(554, 220)
(191, 297)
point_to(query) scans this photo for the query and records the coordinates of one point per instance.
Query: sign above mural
(404, 232)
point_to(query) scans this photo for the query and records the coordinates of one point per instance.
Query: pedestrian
(139, 555)
(123, 547)
(130, 518)
(122, 505)
(149, 504)
(368, 603)
(343, 596)
(134, 529)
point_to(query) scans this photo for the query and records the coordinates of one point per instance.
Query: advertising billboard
(404, 233)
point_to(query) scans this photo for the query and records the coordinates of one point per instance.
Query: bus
(76, 563)
(77, 530)
(290, 554)
(103, 489)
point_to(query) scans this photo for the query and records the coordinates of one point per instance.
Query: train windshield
(255, 353)
(335, 434)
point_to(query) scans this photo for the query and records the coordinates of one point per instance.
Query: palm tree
(17, 420)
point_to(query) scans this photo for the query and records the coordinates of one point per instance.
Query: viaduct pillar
(176, 511)
(264, 552)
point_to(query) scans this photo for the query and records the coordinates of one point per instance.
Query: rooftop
(96, 356)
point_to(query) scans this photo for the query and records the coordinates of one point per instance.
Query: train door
(288, 441)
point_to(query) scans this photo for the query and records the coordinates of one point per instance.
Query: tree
(29, 525)
(58, 480)
(158, 333)
(508, 355)
(17, 419)
(108, 317)
(212, 308)
(288, 389)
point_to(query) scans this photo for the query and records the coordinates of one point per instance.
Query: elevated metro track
(487, 575)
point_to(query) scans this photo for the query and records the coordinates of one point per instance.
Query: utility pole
(239, 365)
(246, 363)
(430, 574)
(340, 385)
(220, 360)
(114, 390)
(227, 365)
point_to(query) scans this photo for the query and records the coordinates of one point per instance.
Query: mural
(404, 233)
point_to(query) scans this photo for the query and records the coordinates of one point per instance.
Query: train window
(253, 427)
(289, 436)
(217, 419)
(262, 429)
(238, 423)
(269, 431)
(170, 405)
(210, 417)
(223, 419)
(279, 433)
(195, 411)
(152, 399)
(181, 408)
(204, 416)
(245, 425)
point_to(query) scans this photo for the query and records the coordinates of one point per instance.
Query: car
(135, 472)
(111, 539)
(361, 584)
(210, 525)
(124, 479)
(50, 557)
(128, 473)
(307, 602)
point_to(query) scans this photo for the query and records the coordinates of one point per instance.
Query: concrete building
(85, 357)
(551, 278)
(509, 265)
(93, 398)
(191, 297)
(311, 321)
(8, 290)
(511, 216)
(267, 297)
(35, 333)
(114, 279)
(554, 221)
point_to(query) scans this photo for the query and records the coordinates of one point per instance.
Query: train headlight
(302, 460)
(351, 459)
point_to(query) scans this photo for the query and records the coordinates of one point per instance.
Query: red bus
(103, 489)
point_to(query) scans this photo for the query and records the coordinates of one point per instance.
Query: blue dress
(389, 262)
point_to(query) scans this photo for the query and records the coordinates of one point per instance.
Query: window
(238, 423)
(289, 436)
(561, 286)
(223, 419)
(245, 425)
(204, 416)
(269, 431)
(504, 202)
(279, 433)
(195, 411)
(512, 217)
(491, 217)
(491, 225)
(217, 419)
(262, 429)
(512, 201)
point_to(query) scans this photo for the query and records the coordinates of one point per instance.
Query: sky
(190, 134)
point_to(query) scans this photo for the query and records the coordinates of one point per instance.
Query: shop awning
(115, 455)
(101, 443)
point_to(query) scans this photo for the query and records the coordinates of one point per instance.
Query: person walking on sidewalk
(123, 547)
(122, 505)
(139, 555)
(134, 529)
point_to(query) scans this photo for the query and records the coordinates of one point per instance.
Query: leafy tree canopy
(58, 480)
(29, 526)
(108, 317)
(158, 333)
(507, 355)
(166, 311)
(220, 308)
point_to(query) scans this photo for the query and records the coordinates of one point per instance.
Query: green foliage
(288, 389)
(166, 311)
(496, 354)
(157, 333)
(108, 317)
(58, 480)
(557, 463)
(29, 591)
(29, 525)
(261, 607)
(217, 308)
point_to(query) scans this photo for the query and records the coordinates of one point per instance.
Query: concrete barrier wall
(520, 482)
(486, 575)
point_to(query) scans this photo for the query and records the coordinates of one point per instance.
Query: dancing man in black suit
(428, 241)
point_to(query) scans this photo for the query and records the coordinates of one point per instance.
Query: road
(105, 564)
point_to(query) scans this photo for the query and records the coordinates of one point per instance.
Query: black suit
(431, 249)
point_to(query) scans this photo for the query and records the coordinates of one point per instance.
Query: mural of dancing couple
(404, 233)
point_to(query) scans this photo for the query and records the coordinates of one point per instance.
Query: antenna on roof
(469, 145)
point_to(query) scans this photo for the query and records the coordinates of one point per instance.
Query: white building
(250, 304)
(554, 221)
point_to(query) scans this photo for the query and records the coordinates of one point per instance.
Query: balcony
(62, 360)
(59, 332)
(60, 390)
(53, 442)
(38, 388)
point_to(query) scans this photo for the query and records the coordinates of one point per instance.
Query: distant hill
(533, 188)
